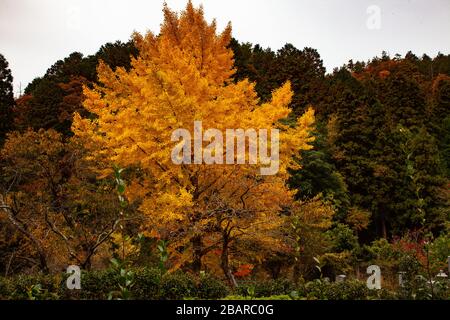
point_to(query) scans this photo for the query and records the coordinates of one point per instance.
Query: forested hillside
(85, 175)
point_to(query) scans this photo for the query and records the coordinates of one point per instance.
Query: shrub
(380, 251)
(315, 290)
(33, 287)
(348, 290)
(5, 291)
(176, 286)
(147, 283)
(95, 285)
(150, 284)
(324, 290)
(439, 251)
(344, 239)
(419, 288)
(265, 288)
(210, 287)
(382, 294)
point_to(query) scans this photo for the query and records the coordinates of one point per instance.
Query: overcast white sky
(36, 33)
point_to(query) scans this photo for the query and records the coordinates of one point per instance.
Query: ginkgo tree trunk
(180, 76)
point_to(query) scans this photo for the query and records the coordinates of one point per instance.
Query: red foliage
(217, 252)
(244, 270)
(414, 245)
(384, 74)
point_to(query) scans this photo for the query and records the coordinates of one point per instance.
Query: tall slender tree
(6, 99)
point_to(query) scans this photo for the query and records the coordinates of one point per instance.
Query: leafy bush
(176, 286)
(348, 290)
(324, 290)
(150, 284)
(441, 290)
(314, 290)
(380, 251)
(265, 288)
(439, 251)
(97, 284)
(343, 238)
(420, 288)
(33, 287)
(383, 294)
(210, 287)
(147, 283)
(5, 292)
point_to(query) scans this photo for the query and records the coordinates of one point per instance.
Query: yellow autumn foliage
(183, 75)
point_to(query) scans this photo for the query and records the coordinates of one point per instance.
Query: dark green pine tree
(318, 175)
(117, 54)
(243, 60)
(6, 99)
(350, 102)
(304, 68)
(439, 118)
(402, 95)
(444, 143)
(256, 64)
(423, 205)
(403, 178)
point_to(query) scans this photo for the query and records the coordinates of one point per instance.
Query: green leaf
(115, 262)
(121, 188)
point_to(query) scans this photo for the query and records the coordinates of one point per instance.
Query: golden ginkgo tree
(184, 75)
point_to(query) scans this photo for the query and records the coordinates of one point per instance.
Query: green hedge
(148, 284)
(177, 286)
(265, 288)
(95, 285)
(30, 287)
(211, 288)
(348, 290)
